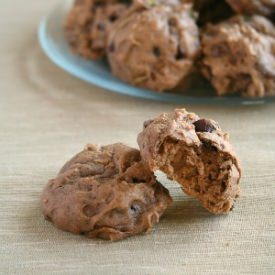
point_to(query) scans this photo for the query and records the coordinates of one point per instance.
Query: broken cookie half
(197, 154)
(105, 192)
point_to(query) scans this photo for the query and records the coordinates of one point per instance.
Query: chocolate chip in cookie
(204, 125)
(196, 153)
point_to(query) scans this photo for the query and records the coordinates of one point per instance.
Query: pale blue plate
(53, 42)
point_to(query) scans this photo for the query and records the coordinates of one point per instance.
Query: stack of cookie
(161, 44)
(111, 191)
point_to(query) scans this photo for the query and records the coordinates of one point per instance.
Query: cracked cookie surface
(105, 192)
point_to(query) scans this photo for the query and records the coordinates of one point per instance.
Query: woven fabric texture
(46, 116)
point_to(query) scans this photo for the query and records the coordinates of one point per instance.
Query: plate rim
(138, 92)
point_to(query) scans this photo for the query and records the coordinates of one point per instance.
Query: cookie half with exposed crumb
(197, 154)
(105, 192)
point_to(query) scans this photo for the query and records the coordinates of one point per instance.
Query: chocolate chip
(179, 55)
(101, 26)
(126, 2)
(241, 83)
(156, 51)
(135, 208)
(98, 3)
(212, 203)
(48, 218)
(113, 17)
(223, 186)
(219, 50)
(161, 149)
(111, 47)
(209, 146)
(72, 43)
(135, 180)
(204, 125)
(197, 188)
(172, 22)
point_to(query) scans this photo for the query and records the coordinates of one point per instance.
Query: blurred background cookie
(168, 45)
(88, 23)
(239, 56)
(154, 46)
(263, 7)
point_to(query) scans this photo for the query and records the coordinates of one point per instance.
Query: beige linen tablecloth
(46, 116)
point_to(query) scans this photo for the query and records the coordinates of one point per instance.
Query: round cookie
(105, 192)
(238, 56)
(196, 153)
(263, 7)
(154, 45)
(88, 23)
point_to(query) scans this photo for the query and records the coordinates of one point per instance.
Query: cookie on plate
(197, 154)
(154, 44)
(263, 7)
(88, 23)
(238, 56)
(105, 192)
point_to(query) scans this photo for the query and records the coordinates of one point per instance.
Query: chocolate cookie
(154, 44)
(263, 7)
(197, 154)
(239, 56)
(88, 23)
(105, 192)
